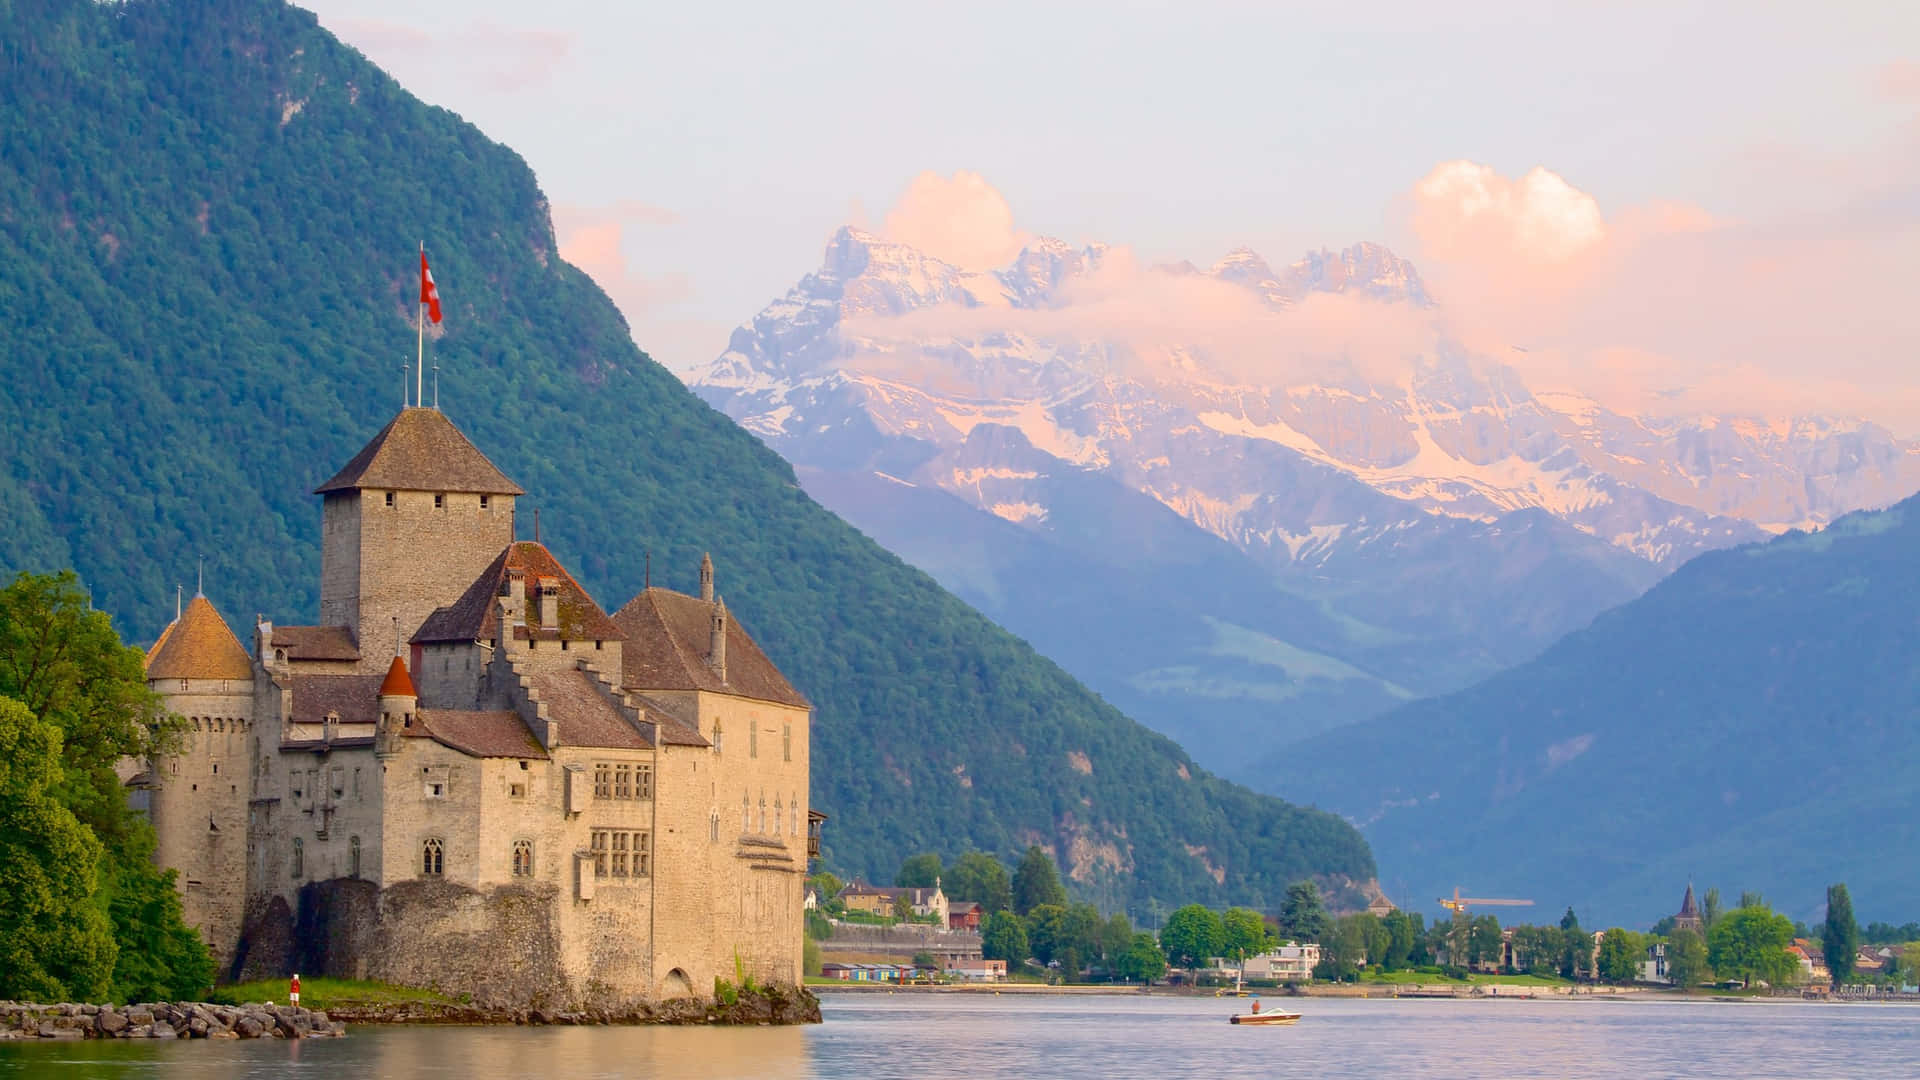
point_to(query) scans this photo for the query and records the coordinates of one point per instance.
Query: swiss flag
(429, 292)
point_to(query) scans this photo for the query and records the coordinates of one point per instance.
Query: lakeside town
(992, 928)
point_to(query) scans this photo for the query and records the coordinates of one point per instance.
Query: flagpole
(420, 357)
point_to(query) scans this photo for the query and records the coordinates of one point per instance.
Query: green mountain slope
(208, 215)
(1748, 723)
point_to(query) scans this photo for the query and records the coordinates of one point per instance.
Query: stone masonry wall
(198, 804)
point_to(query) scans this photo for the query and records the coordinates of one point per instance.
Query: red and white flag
(429, 292)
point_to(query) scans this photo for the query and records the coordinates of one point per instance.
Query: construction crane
(1459, 904)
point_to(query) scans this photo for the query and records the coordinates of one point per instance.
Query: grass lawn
(319, 993)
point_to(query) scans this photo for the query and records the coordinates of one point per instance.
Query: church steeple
(706, 577)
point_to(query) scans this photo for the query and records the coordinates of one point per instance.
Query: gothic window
(642, 854)
(523, 858)
(619, 854)
(598, 847)
(786, 743)
(602, 780)
(433, 858)
(793, 819)
(643, 781)
(763, 814)
(778, 807)
(623, 781)
(299, 857)
(713, 826)
(353, 856)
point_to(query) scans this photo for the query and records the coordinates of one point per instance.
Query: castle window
(436, 789)
(353, 856)
(793, 821)
(299, 789)
(389, 499)
(216, 768)
(433, 858)
(564, 643)
(619, 854)
(339, 781)
(602, 780)
(778, 808)
(183, 684)
(746, 813)
(439, 500)
(643, 781)
(523, 858)
(596, 643)
(597, 846)
(642, 854)
(516, 791)
(356, 782)
(299, 857)
(623, 781)
(486, 501)
(718, 739)
(173, 768)
(753, 741)
(763, 813)
(786, 742)
(713, 826)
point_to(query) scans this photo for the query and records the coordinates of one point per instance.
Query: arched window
(713, 826)
(353, 856)
(523, 858)
(299, 857)
(719, 740)
(763, 812)
(433, 858)
(793, 819)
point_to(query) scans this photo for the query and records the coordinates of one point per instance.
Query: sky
(1706, 205)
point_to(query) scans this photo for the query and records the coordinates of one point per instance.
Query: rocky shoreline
(760, 1007)
(165, 1020)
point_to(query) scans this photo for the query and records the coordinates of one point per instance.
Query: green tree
(1569, 921)
(1404, 931)
(1840, 941)
(981, 878)
(903, 907)
(1374, 937)
(1047, 932)
(1301, 916)
(1483, 941)
(55, 943)
(1687, 959)
(1116, 936)
(1192, 936)
(919, 871)
(160, 957)
(1036, 882)
(1709, 910)
(1004, 937)
(1342, 950)
(1141, 960)
(1620, 954)
(826, 884)
(1750, 943)
(1752, 898)
(1244, 933)
(809, 956)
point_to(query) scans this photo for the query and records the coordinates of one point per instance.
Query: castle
(469, 775)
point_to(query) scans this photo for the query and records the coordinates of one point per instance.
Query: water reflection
(1111, 1038)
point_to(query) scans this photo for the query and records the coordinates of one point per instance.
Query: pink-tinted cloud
(501, 57)
(594, 238)
(1898, 82)
(961, 219)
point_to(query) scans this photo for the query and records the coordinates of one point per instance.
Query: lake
(929, 1037)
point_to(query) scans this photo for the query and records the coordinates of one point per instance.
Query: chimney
(706, 578)
(717, 639)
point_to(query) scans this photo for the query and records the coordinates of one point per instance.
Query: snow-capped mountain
(1315, 419)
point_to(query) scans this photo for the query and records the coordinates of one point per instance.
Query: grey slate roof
(421, 450)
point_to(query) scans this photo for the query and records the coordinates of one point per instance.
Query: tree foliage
(1621, 951)
(1193, 935)
(1302, 918)
(213, 286)
(1243, 933)
(1036, 881)
(919, 872)
(1687, 959)
(1750, 942)
(55, 943)
(1840, 938)
(1004, 937)
(981, 878)
(1142, 960)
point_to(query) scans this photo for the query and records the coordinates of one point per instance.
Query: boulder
(249, 1027)
(109, 1023)
(161, 1030)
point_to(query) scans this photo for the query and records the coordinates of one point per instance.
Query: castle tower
(406, 526)
(398, 700)
(198, 796)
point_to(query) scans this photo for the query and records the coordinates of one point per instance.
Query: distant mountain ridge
(208, 220)
(1438, 525)
(1747, 723)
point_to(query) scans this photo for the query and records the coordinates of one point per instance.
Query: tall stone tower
(198, 797)
(408, 524)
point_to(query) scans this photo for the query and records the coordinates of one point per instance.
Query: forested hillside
(1748, 722)
(208, 219)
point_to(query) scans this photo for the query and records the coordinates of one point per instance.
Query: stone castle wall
(198, 804)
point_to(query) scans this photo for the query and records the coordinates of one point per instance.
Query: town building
(469, 775)
(1284, 963)
(963, 915)
(878, 900)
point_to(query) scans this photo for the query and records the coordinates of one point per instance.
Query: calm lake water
(929, 1037)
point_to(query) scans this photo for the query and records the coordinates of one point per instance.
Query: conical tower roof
(397, 683)
(421, 450)
(1687, 908)
(198, 645)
